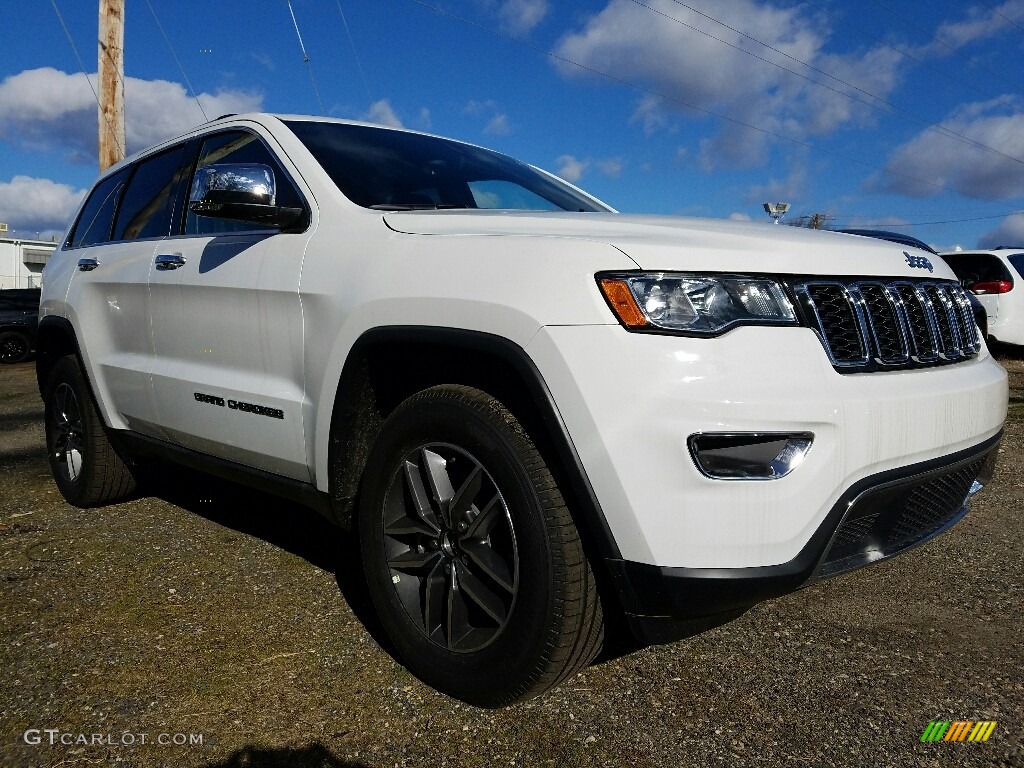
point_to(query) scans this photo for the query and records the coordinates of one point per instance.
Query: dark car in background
(19, 317)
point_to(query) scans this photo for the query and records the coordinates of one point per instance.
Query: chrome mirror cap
(247, 183)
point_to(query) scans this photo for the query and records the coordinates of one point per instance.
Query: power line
(176, 61)
(688, 105)
(355, 54)
(915, 59)
(946, 221)
(305, 57)
(893, 108)
(942, 42)
(1001, 15)
(81, 67)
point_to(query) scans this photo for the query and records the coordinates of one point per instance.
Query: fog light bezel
(797, 443)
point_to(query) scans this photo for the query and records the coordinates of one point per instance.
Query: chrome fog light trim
(748, 455)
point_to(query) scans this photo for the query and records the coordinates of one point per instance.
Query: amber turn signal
(621, 300)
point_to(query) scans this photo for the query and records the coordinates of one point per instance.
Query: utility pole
(111, 76)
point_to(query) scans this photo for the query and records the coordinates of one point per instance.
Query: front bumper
(876, 518)
(629, 403)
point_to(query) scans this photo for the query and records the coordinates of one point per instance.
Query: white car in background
(992, 276)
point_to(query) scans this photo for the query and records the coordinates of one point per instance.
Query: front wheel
(472, 558)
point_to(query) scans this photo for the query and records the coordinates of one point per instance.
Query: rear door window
(1017, 259)
(148, 204)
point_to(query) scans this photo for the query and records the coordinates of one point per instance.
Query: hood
(669, 243)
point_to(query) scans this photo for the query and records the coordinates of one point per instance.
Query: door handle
(87, 264)
(169, 261)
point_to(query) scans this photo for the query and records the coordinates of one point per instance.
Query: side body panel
(109, 309)
(227, 331)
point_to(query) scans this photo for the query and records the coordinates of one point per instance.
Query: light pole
(776, 210)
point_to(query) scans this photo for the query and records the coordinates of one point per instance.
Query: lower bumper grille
(888, 519)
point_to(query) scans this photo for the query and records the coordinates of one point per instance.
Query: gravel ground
(213, 613)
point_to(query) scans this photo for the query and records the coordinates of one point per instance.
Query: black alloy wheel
(471, 556)
(86, 468)
(451, 547)
(15, 347)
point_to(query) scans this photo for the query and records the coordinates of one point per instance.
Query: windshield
(395, 170)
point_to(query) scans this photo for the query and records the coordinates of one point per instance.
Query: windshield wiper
(416, 206)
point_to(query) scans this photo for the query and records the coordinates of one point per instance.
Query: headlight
(699, 304)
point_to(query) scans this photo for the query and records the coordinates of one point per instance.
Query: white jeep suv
(539, 415)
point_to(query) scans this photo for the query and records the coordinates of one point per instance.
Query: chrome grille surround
(880, 325)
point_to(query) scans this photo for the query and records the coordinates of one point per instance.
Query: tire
(15, 347)
(472, 559)
(87, 469)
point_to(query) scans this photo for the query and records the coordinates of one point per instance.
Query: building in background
(22, 261)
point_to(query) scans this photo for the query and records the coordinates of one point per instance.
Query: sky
(879, 114)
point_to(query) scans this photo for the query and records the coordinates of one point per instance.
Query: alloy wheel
(450, 547)
(68, 435)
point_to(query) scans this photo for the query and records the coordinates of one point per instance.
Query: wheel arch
(56, 338)
(388, 364)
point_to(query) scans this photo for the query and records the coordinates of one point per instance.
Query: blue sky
(879, 114)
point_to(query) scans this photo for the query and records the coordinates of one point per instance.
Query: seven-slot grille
(882, 325)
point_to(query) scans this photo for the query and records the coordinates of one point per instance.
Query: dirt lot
(208, 612)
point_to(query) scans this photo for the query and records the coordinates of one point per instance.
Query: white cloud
(480, 108)
(571, 169)
(53, 110)
(264, 59)
(653, 113)
(424, 118)
(612, 167)
(31, 205)
(787, 190)
(931, 160)
(979, 25)
(634, 44)
(522, 16)
(1009, 232)
(739, 217)
(497, 121)
(498, 125)
(382, 112)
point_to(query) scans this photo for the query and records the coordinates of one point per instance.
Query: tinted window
(20, 299)
(973, 268)
(1017, 259)
(149, 200)
(388, 168)
(93, 226)
(239, 147)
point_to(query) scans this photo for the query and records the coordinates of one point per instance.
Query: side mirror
(240, 192)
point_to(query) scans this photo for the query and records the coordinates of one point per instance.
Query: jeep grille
(871, 325)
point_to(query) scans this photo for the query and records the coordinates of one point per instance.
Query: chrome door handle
(87, 264)
(169, 261)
